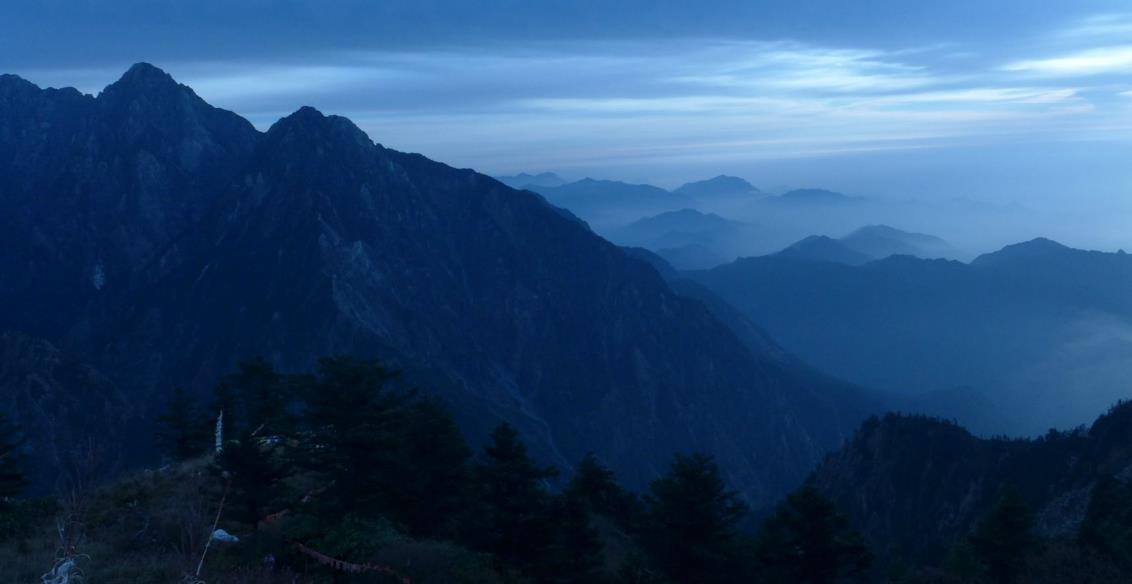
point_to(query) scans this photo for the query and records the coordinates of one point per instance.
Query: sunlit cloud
(1088, 62)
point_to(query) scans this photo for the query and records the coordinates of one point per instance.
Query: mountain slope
(916, 485)
(880, 241)
(93, 188)
(819, 248)
(1039, 329)
(322, 242)
(606, 203)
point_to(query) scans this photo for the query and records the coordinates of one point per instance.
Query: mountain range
(1038, 330)
(866, 244)
(677, 234)
(528, 181)
(160, 240)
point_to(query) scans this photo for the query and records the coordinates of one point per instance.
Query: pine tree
(807, 541)
(353, 414)
(181, 434)
(595, 486)
(13, 479)
(519, 527)
(690, 527)
(576, 554)
(1003, 539)
(430, 470)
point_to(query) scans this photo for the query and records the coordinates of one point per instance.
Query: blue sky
(1015, 100)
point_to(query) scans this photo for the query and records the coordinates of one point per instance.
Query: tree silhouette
(13, 479)
(690, 526)
(807, 541)
(181, 434)
(1003, 539)
(516, 503)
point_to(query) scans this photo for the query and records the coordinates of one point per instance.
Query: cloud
(1094, 61)
(1099, 26)
(601, 102)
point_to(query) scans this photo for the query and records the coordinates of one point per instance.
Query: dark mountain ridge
(310, 239)
(915, 486)
(1037, 328)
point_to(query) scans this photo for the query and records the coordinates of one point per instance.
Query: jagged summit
(144, 79)
(309, 125)
(9, 81)
(146, 72)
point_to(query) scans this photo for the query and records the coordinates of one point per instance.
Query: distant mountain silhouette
(689, 239)
(527, 181)
(721, 185)
(880, 241)
(162, 240)
(819, 248)
(813, 197)
(867, 244)
(607, 203)
(1041, 330)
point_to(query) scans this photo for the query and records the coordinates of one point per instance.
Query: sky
(1013, 101)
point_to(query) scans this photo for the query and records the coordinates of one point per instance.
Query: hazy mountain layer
(1039, 329)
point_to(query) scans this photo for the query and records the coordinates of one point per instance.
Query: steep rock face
(318, 241)
(916, 485)
(93, 188)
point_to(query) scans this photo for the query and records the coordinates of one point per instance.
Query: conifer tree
(595, 486)
(1003, 539)
(576, 553)
(181, 434)
(430, 471)
(519, 527)
(807, 541)
(690, 526)
(13, 479)
(352, 416)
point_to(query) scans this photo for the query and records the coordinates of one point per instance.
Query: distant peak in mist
(525, 180)
(815, 197)
(820, 248)
(718, 186)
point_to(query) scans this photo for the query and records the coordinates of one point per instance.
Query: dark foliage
(690, 528)
(253, 475)
(181, 433)
(516, 503)
(807, 541)
(13, 479)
